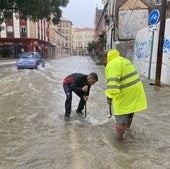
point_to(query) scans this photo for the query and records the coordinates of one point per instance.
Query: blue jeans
(68, 102)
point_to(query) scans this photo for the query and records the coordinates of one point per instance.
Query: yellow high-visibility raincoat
(124, 86)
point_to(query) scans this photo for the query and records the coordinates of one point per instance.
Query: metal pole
(110, 111)
(85, 109)
(150, 60)
(153, 28)
(160, 43)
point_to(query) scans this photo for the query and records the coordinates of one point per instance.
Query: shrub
(5, 52)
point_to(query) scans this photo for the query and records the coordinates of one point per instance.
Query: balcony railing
(10, 34)
(23, 34)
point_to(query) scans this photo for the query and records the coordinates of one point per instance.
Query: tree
(99, 44)
(102, 39)
(92, 46)
(5, 52)
(32, 9)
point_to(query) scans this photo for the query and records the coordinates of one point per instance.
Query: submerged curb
(5, 63)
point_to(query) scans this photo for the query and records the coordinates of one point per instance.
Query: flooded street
(34, 134)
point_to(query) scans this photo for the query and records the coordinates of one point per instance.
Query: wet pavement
(34, 134)
(7, 63)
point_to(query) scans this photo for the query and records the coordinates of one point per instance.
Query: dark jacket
(77, 81)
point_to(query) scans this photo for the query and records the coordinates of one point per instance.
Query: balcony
(10, 34)
(23, 34)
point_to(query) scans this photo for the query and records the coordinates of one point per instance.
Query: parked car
(30, 60)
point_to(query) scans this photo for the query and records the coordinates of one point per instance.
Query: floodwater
(34, 134)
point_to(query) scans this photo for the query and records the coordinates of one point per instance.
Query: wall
(126, 49)
(130, 21)
(145, 54)
(16, 27)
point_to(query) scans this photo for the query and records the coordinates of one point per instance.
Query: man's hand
(109, 101)
(85, 98)
(85, 88)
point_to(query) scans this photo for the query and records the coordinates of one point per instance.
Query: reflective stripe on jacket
(124, 86)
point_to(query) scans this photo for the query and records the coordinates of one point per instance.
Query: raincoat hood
(112, 54)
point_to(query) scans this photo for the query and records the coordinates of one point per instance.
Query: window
(158, 2)
(23, 31)
(9, 29)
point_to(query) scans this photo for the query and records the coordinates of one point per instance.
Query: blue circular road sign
(154, 17)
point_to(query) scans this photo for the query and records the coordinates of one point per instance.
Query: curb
(5, 64)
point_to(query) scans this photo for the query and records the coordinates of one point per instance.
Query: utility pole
(160, 43)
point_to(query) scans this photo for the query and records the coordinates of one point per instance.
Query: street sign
(154, 17)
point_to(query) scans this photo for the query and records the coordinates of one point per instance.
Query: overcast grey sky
(81, 12)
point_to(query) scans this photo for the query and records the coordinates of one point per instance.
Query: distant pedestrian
(80, 84)
(124, 90)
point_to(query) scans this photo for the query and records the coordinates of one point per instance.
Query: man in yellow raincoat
(124, 90)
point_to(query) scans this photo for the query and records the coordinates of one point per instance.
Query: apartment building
(21, 35)
(58, 40)
(123, 19)
(99, 22)
(65, 28)
(46, 38)
(81, 37)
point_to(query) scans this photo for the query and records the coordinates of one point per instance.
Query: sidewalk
(7, 63)
(153, 89)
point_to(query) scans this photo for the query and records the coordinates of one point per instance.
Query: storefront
(19, 45)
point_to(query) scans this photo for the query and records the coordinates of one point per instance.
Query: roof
(83, 29)
(64, 19)
(133, 4)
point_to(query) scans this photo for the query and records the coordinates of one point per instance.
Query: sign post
(153, 20)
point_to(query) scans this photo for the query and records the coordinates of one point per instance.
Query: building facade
(21, 35)
(58, 41)
(65, 28)
(99, 23)
(81, 37)
(125, 18)
(100, 33)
